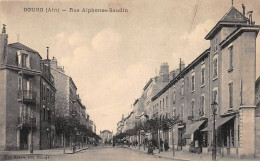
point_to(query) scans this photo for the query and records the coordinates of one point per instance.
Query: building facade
(68, 102)
(106, 136)
(225, 73)
(22, 73)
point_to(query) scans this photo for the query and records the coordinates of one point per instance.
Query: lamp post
(214, 145)
(31, 147)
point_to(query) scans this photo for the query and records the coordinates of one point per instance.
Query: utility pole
(173, 151)
(159, 144)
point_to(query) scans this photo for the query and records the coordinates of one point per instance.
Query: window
(215, 95)
(44, 114)
(202, 105)
(202, 75)
(230, 49)
(230, 94)
(193, 82)
(192, 107)
(48, 95)
(174, 112)
(173, 95)
(166, 101)
(163, 103)
(43, 91)
(182, 87)
(49, 115)
(20, 84)
(215, 45)
(215, 67)
(181, 116)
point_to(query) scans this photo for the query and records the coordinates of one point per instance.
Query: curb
(160, 156)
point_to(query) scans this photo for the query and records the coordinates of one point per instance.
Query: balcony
(27, 96)
(25, 121)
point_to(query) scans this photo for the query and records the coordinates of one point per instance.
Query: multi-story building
(225, 74)
(186, 96)
(120, 125)
(26, 97)
(154, 85)
(106, 136)
(47, 106)
(68, 102)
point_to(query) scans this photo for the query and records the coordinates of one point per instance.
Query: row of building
(33, 93)
(224, 73)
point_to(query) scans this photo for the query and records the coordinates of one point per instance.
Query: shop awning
(192, 128)
(219, 122)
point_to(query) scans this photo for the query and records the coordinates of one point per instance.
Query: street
(108, 153)
(103, 153)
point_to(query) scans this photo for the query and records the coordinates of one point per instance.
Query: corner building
(23, 113)
(226, 74)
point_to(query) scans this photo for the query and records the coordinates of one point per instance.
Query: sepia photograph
(129, 80)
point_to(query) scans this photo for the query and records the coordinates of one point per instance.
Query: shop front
(194, 137)
(227, 135)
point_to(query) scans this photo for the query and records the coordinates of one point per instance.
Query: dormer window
(23, 59)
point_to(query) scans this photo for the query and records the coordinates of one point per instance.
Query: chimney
(3, 30)
(47, 52)
(243, 7)
(3, 44)
(180, 65)
(250, 15)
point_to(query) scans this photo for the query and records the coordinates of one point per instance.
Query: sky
(111, 56)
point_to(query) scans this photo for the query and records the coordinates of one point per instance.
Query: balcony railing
(27, 96)
(25, 121)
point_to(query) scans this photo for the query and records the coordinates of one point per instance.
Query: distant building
(106, 136)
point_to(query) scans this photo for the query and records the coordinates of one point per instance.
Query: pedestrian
(161, 144)
(166, 145)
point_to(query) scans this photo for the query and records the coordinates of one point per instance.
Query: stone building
(68, 102)
(106, 136)
(186, 96)
(26, 97)
(225, 73)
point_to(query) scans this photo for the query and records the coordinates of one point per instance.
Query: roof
(233, 15)
(136, 101)
(20, 46)
(148, 83)
(105, 131)
(182, 73)
(232, 18)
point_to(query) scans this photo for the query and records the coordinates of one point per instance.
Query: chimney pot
(47, 52)
(243, 7)
(4, 29)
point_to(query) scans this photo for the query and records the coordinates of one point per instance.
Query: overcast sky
(111, 56)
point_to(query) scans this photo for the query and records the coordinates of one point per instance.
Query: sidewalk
(188, 156)
(37, 154)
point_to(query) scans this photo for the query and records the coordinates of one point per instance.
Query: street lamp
(214, 145)
(31, 148)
